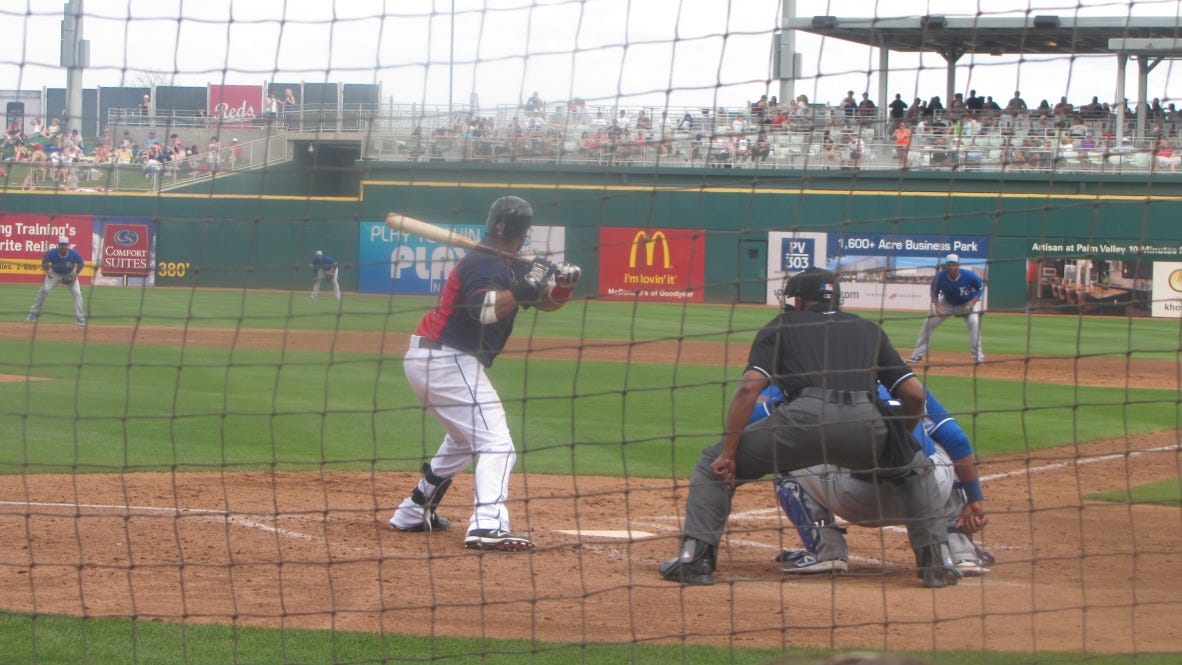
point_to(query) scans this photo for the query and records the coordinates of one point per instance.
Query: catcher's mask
(812, 285)
(509, 218)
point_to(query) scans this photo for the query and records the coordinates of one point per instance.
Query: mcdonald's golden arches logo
(650, 248)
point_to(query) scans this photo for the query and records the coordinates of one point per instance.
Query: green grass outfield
(1163, 493)
(115, 407)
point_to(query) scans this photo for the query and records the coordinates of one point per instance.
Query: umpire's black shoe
(695, 572)
(935, 567)
(436, 523)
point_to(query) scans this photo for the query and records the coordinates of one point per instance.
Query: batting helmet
(814, 285)
(509, 218)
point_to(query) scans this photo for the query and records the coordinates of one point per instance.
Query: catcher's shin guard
(429, 498)
(695, 564)
(814, 522)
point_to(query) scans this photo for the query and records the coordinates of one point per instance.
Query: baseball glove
(962, 310)
(67, 279)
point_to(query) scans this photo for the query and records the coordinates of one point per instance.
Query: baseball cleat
(971, 568)
(497, 539)
(801, 562)
(699, 572)
(32, 318)
(915, 359)
(437, 522)
(80, 322)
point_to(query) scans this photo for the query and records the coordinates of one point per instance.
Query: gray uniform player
(62, 266)
(324, 269)
(829, 363)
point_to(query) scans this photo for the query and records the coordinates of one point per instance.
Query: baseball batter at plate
(62, 266)
(812, 498)
(956, 292)
(452, 347)
(324, 269)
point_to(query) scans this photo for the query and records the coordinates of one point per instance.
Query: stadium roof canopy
(953, 37)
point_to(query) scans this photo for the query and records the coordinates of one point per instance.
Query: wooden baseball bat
(435, 233)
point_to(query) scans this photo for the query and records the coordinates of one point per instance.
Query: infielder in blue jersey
(455, 342)
(324, 269)
(955, 292)
(61, 266)
(813, 497)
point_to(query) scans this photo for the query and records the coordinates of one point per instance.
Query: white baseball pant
(972, 320)
(47, 286)
(329, 274)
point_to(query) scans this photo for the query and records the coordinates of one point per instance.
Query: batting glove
(567, 275)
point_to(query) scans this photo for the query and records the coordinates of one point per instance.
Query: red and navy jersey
(62, 265)
(455, 319)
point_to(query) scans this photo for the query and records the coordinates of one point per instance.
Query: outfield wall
(227, 238)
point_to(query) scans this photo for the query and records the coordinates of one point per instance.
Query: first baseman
(61, 266)
(956, 292)
(324, 268)
(451, 348)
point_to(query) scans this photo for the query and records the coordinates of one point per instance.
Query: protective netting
(218, 456)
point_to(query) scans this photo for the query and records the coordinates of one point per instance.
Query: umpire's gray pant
(810, 430)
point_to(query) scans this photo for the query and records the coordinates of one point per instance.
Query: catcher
(810, 497)
(324, 269)
(955, 292)
(61, 266)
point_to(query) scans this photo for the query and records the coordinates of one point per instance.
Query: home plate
(593, 533)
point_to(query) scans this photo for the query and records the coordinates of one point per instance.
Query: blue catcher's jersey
(937, 425)
(62, 265)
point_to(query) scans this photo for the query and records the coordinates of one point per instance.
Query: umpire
(828, 362)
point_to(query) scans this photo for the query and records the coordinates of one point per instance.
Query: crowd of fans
(56, 158)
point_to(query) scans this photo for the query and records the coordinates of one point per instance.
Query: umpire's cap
(814, 285)
(509, 218)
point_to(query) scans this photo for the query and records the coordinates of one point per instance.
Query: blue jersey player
(813, 497)
(451, 348)
(324, 269)
(62, 265)
(955, 292)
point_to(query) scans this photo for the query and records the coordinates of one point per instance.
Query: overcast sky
(707, 52)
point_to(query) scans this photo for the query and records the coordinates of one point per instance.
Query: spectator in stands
(289, 102)
(773, 106)
(1163, 156)
(761, 149)
(739, 124)
(801, 109)
(36, 127)
(214, 153)
(990, 106)
(828, 151)
(866, 107)
(742, 147)
(856, 151)
(934, 106)
(1092, 110)
(123, 154)
(759, 109)
(1017, 105)
(151, 140)
(1065, 151)
(15, 135)
(897, 108)
(686, 124)
(643, 122)
(913, 113)
(534, 103)
(971, 126)
(599, 120)
(271, 106)
(780, 120)
(146, 105)
(623, 122)
(973, 103)
(1044, 108)
(1078, 127)
(1155, 109)
(1043, 126)
(1087, 145)
(902, 136)
(39, 161)
(1064, 108)
(235, 153)
(956, 107)
(849, 105)
(52, 131)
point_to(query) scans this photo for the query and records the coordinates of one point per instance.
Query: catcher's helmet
(814, 285)
(509, 218)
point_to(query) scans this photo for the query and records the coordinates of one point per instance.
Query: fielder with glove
(955, 292)
(61, 266)
(324, 269)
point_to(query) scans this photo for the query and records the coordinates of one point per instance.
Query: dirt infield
(313, 549)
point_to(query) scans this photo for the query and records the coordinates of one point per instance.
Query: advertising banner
(235, 103)
(25, 238)
(390, 261)
(877, 271)
(1167, 290)
(1114, 278)
(126, 251)
(652, 264)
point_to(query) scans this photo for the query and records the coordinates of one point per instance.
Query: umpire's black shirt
(832, 350)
